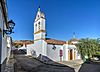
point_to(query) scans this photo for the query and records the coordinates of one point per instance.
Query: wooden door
(71, 54)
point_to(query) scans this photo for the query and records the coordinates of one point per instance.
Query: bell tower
(39, 26)
(40, 33)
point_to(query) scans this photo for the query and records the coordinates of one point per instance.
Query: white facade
(54, 54)
(9, 47)
(65, 53)
(3, 40)
(52, 47)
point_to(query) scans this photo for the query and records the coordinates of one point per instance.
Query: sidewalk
(10, 65)
(76, 64)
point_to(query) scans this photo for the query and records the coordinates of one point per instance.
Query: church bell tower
(39, 26)
(40, 33)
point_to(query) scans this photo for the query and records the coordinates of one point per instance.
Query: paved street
(92, 67)
(28, 64)
(10, 64)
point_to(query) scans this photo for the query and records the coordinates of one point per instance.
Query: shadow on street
(30, 64)
(90, 67)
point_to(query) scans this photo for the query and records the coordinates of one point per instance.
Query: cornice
(39, 31)
(40, 39)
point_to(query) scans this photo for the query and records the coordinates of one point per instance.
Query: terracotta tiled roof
(24, 42)
(56, 42)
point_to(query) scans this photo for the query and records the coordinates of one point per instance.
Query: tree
(17, 45)
(87, 47)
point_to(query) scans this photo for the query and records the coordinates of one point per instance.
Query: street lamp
(54, 47)
(11, 25)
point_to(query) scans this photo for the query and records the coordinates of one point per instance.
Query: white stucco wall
(4, 49)
(4, 39)
(44, 48)
(43, 24)
(9, 47)
(54, 54)
(30, 48)
(39, 36)
(1, 18)
(39, 47)
(65, 52)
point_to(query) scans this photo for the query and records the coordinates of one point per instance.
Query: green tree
(87, 47)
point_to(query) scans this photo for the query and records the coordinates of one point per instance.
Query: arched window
(39, 25)
(38, 16)
(35, 27)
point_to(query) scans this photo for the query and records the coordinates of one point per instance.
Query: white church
(56, 50)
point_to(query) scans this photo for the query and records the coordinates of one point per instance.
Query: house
(5, 40)
(56, 50)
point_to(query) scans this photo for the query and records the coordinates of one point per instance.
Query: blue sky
(63, 17)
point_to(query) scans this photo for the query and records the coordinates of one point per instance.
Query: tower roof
(39, 8)
(39, 14)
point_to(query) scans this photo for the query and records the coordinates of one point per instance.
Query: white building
(5, 41)
(56, 50)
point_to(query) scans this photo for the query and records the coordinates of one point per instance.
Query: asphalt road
(90, 67)
(28, 64)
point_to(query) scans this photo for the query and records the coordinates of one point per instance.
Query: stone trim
(39, 31)
(39, 39)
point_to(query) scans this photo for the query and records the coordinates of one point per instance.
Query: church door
(71, 54)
